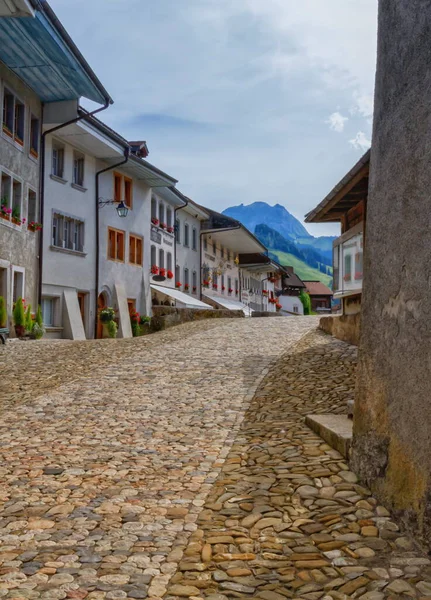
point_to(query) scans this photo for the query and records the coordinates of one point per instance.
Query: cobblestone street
(179, 466)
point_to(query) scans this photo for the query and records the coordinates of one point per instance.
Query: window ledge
(10, 224)
(58, 179)
(68, 251)
(53, 328)
(11, 140)
(78, 187)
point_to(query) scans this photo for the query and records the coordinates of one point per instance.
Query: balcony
(348, 262)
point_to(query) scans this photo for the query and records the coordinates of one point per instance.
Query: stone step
(336, 430)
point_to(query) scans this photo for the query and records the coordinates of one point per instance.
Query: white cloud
(361, 142)
(363, 106)
(336, 122)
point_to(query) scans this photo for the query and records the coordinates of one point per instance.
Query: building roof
(42, 54)
(292, 280)
(317, 288)
(218, 223)
(345, 195)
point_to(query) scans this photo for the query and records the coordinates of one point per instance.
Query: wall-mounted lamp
(121, 208)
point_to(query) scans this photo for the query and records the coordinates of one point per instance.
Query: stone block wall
(392, 422)
(169, 316)
(343, 327)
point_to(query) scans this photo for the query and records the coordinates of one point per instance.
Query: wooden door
(100, 304)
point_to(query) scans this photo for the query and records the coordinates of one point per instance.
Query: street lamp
(121, 208)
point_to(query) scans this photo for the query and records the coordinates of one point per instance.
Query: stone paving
(179, 466)
(108, 450)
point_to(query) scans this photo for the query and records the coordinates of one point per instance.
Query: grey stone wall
(18, 245)
(392, 424)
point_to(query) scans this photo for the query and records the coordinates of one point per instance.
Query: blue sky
(241, 100)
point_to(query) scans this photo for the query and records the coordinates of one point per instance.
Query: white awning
(231, 304)
(187, 300)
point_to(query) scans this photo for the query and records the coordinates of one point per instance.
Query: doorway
(101, 303)
(82, 296)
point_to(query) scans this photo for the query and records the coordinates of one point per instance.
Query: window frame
(34, 137)
(186, 242)
(118, 233)
(30, 190)
(194, 239)
(78, 174)
(9, 126)
(59, 147)
(64, 225)
(138, 256)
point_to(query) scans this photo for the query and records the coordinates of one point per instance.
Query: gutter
(82, 117)
(97, 265)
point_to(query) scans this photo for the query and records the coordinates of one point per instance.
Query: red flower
(236, 292)
(215, 286)
(155, 270)
(162, 272)
(170, 229)
(223, 288)
(155, 221)
(230, 290)
(170, 275)
(186, 286)
(278, 306)
(178, 284)
(163, 225)
(206, 283)
(194, 288)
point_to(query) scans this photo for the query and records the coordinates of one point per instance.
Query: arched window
(153, 207)
(169, 261)
(161, 259)
(153, 256)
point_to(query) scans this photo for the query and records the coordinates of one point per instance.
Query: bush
(18, 313)
(3, 312)
(112, 328)
(306, 302)
(106, 315)
(28, 320)
(136, 329)
(38, 331)
(39, 318)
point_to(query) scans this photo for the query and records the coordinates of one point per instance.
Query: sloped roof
(292, 280)
(317, 288)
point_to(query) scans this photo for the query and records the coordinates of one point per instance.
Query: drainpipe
(186, 202)
(98, 174)
(82, 117)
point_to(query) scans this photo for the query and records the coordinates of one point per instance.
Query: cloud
(361, 142)
(363, 106)
(336, 122)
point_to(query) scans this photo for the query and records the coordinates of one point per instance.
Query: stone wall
(168, 316)
(392, 442)
(343, 327)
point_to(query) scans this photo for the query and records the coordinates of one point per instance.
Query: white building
(92, 258)
(259, 275)
(223, 240)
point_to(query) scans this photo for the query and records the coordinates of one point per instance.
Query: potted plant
(186, 287)
(19, 317)
(16, 215)
(135, 318)
(34, 226)
(223, 288)
(3, 312)
(230, 290)
(28, 320)
(38, 327)
(170, 229)
(169, 275)
(155, 221)
(163, 225)
(206, 283)
(5, 211)
(155, 270)
(278, 306)
(194, 289)
(162, 272)
(107, 316)
(215, 286)
(178, 284)
(236, 292)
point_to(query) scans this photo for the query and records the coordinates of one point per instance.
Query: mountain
(303, 270)
(276, 217)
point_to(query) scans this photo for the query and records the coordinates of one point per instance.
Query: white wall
(187, 257)
(291, 304)
(229, 267)
(161, 239)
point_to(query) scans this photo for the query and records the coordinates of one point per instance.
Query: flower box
(162, 272)
(206, 283)
(194, 288)
(155, 270)
(155, 221)
(230, 290)
(215, 286)
(223, 288)
(347, 277)
(170, 230)
(178, 284)
(169, 275)
(33, 226)
(163, 225)
(186, 287)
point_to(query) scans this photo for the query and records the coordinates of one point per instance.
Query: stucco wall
(392, 442)
(18, 245)
(290, 303)
(187, 258)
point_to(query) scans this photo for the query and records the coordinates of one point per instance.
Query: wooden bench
(4, 334)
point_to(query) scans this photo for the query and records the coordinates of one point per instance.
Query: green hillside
(301, 268)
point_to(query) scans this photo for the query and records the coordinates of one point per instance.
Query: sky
(240, 100)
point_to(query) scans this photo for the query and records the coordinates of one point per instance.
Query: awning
(231, 304)
(186, 299)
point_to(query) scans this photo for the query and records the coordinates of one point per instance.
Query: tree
(306, 302)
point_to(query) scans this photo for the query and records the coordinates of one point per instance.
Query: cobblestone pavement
(108, 450)
(286, 518)
(177, 466)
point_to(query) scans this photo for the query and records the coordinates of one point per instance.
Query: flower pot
(20, 331)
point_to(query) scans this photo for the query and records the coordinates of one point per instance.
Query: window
(57, 159)
(6, 193)
(295, 309)
(347, 267)
(222, 252)
(236, 285)
(358, 265)
(153, 256)
(205, 273)
(13, 117)
(228, 255)
(169, 217)
(161, 259)
(194, 239)
(16, 200)
(177, 274)
(135, 250)
(186, 234)
(222, 283)
(31, 207)
(215, 278)
(78, 169)
(34, 137)
(67, 232)
(115, 244)
(186, 280)
(195, 282)
(128, 192)
(205, 244)
(169, 261)
(123, 189)
(214, 249)
(178, 230)
(161, 213)
(18, 284)
(153, 208)
(229, 284)
(48, 314)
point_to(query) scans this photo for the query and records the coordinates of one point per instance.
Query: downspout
(97, 265)
(82, 117)
(186, 202)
